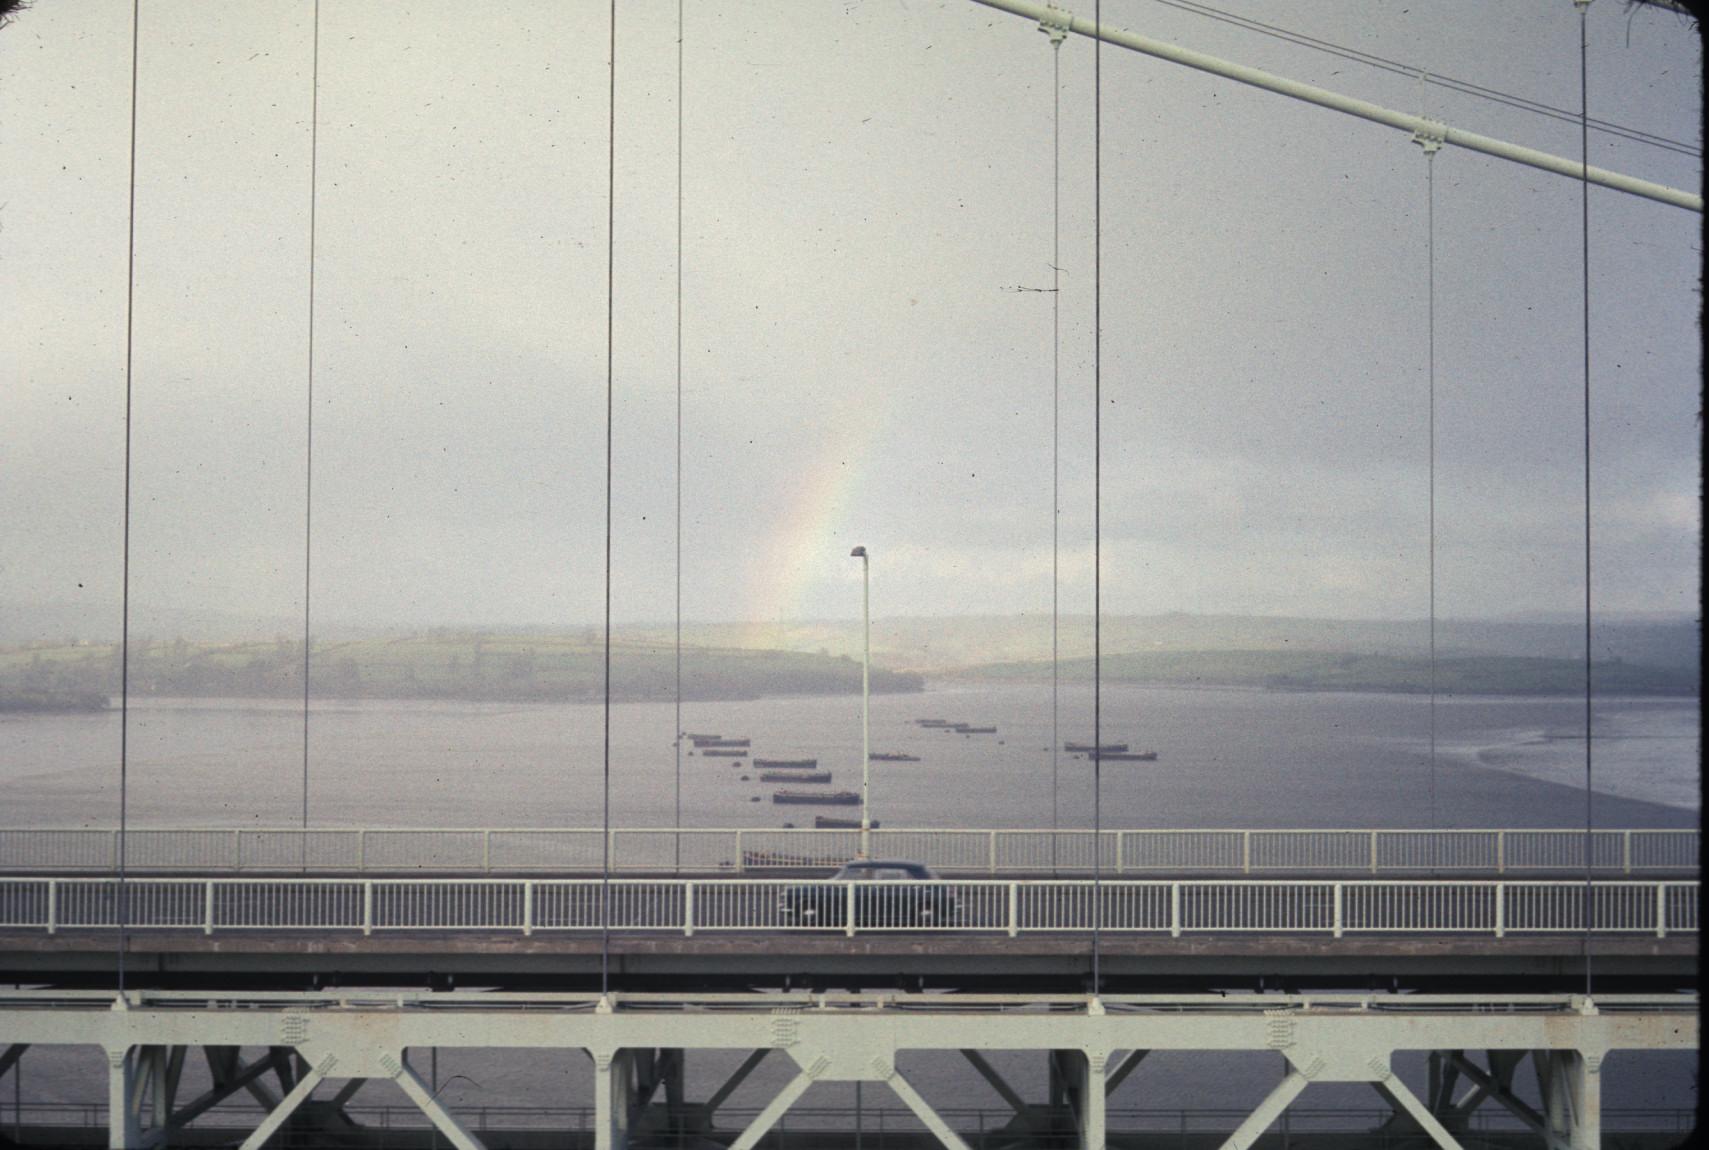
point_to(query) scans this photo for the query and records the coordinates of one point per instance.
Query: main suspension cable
(1464, 87)
(1363, 109)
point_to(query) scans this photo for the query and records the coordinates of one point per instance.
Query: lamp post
(865, 697)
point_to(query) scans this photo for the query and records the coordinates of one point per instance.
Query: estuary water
(1226, 758)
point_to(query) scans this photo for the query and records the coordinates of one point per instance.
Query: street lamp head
(858, 553)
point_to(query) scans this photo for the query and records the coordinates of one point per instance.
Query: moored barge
(817, 798)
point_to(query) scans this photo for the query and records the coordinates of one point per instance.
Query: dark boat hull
(832, 823)
(825, 799)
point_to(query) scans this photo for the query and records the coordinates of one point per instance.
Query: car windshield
(882, 872)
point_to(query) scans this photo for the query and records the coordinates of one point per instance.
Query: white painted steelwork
(684, 906)
(882, 1123)
(1420, 127)
(638, 1042)
(745, 850)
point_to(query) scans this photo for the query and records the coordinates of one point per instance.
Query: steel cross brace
(228, 1079)
(278, 1116)
(1377, 1073)
(1397, 1091)
(1118, 1073)
(739, 1076)
(430, 1105)
(773, 1110)
(1003, 1089)
(1285, 1091)
(1325, 1038)
(879, 1068)
(1498, 1087)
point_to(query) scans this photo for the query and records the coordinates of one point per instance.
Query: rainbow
(813, 537)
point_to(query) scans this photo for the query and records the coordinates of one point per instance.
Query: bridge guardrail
(685, 906)
(989, 852)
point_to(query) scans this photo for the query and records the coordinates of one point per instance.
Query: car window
(871, 872)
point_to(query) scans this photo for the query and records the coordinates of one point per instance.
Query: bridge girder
(347, 1036)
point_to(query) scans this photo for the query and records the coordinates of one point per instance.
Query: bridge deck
(950, 961)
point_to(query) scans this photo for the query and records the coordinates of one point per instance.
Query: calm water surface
(1225, 758)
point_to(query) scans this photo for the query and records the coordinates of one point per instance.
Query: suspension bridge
(337, 952)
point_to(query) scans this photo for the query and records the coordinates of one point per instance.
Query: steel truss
(638, 1045)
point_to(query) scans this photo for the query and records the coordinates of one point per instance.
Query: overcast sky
(866, 183)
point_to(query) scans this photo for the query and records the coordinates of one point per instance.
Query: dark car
(886, 893)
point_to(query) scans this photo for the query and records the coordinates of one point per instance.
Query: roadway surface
(267, 959)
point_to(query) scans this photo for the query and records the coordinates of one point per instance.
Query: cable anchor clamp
(1430, 135)
(1056, 24)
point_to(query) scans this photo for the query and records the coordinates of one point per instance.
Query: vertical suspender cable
(676, 739)
(1055, 424)
(1584, 240)
(1097, 496)
(309, 438)
(123, 892)
(1430, 311)
(610, 287)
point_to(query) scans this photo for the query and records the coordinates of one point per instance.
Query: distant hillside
(934, 645)
(1336, 671)
(441, 665)
(953, 644)
(729, 661)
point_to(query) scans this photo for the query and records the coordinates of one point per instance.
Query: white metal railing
(684, 906)
(758, 850)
